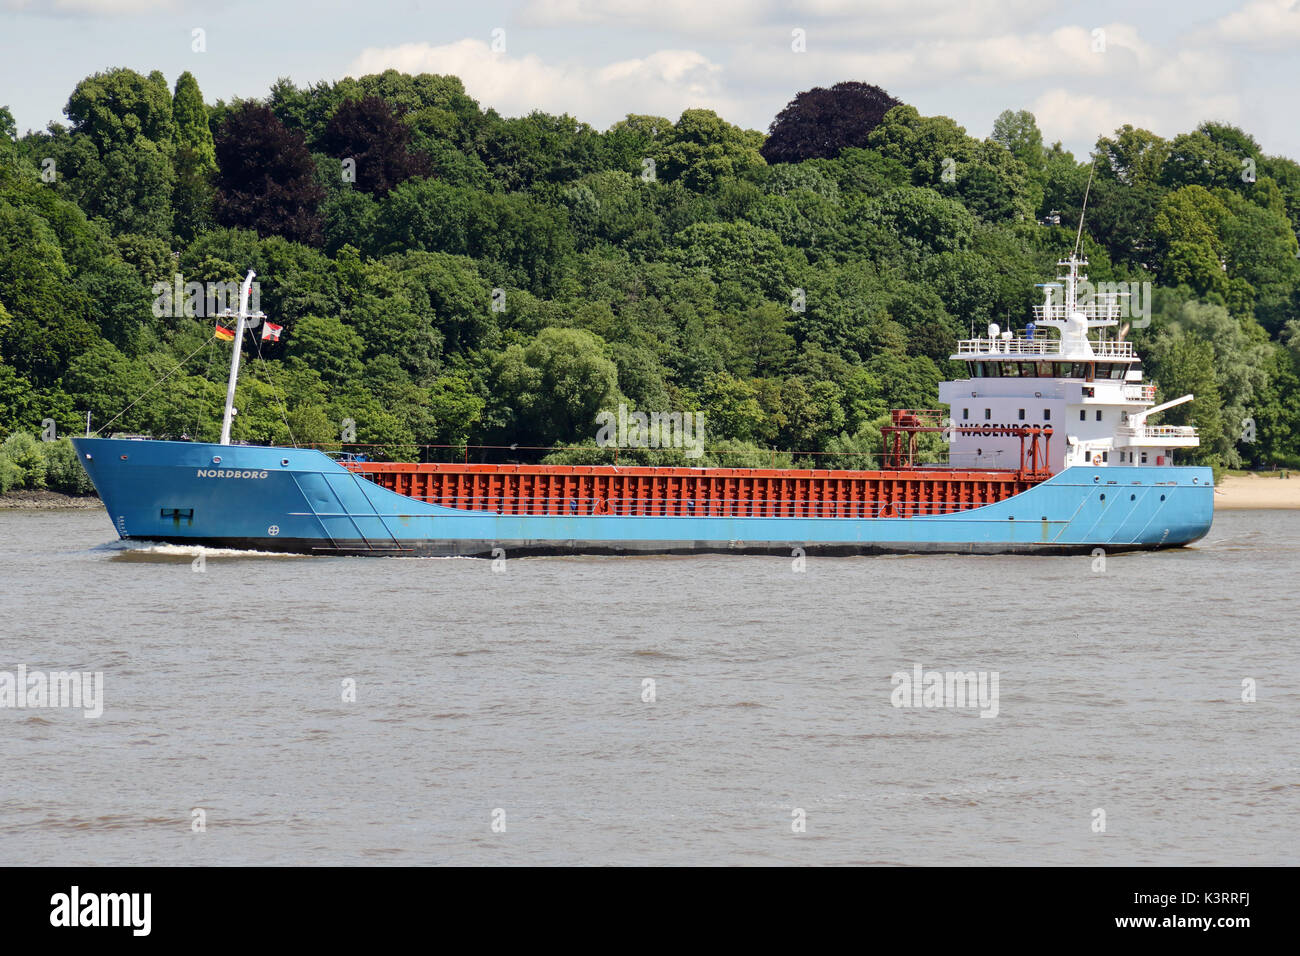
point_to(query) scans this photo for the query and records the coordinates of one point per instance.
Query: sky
(1083, 69)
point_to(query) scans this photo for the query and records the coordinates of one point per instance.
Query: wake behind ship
(1054, 430)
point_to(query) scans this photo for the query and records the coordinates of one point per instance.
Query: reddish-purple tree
(820, 122)
(267, 178)
(369, 132)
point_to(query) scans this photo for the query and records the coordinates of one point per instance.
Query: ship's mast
(234, 357)
(1071, 283)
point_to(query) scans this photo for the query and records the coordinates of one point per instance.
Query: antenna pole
(234, 358)
(1078, 239)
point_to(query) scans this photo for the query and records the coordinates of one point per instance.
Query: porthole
(1162, 497)
(1103, 496)
(284, 461)
(216, 459)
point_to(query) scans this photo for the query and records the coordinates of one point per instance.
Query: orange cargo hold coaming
(695, 492)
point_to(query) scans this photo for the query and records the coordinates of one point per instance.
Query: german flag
(225, 334)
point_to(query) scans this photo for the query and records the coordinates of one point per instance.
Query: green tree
(25, 462)
(702, 149)
(1132, 157)
(45, 323)
(736, 251)
(195, 159)
(1195, 343)
(327, 346)
(119, 108)
(1182, 365)
(1018, 131)
(550, 390)
(925, 221)
(1208, 158)
(1189, 227)
(63, 470)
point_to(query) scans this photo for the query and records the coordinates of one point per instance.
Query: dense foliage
(445, 275)
(821, 123)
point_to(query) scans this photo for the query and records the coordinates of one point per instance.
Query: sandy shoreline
(1257, 491)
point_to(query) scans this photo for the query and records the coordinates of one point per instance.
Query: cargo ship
(1051, 450)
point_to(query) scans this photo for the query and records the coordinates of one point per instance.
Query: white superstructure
(1087, 389)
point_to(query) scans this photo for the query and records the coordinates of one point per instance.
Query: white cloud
(836, 18)
(1070, 117)
(106, 8)
(1081, 118)
(672, 16)
(665, 82)
(1005, 58)
(1263, 24)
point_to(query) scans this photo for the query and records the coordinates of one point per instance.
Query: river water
(661, 710)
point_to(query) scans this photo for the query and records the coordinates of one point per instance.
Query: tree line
(447, 276)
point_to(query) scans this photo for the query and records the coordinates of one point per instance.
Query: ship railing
(361, 457)
(1111, 349)
(1101, 307)
(698, 507)
(1039, 346)
(1012, 346)
(1157, 431)
(1140, 393)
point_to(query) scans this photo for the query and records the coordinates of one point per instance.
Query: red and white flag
(271, 332)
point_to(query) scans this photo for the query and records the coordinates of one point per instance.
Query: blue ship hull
(300, 500)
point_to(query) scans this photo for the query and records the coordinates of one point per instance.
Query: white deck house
(1088, 390)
